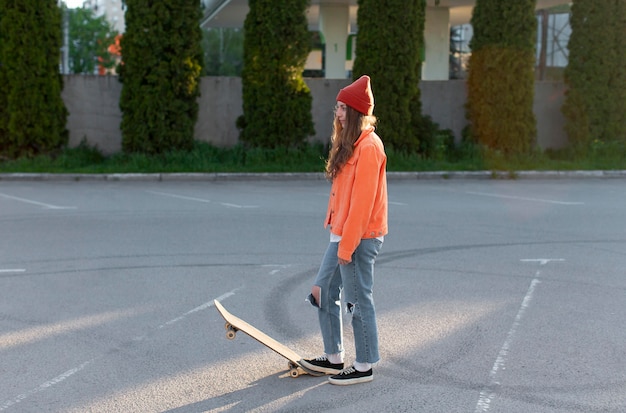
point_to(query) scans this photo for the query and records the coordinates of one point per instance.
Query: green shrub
(162, 63)
(204, 157)
(82, 155)
(501, 80)
(390, 37)
(595, 102)
(276, 100)
(32, 112)
(435, 143)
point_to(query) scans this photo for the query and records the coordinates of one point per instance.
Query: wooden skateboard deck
(234, 324)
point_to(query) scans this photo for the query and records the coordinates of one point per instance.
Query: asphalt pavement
(493, 295)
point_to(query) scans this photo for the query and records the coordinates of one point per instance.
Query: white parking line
(58, 379)
(520, 198)
(489, 392)
(206, 201)
(542, 261)
(9, 270)
(188, 198)
(206, 305)
(69, 373)
(29, 201)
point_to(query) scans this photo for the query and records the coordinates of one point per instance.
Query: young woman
(357, 220)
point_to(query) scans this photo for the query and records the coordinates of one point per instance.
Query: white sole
(318, 368)
(347, 382)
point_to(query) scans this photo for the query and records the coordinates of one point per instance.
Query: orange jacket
(357, 207)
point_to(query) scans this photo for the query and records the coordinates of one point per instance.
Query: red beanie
(358, 95)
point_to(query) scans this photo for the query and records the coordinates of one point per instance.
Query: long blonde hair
(343, 139)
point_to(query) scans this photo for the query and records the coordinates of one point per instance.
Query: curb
(221, 176)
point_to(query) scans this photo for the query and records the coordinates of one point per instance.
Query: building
(336, 20)
(113, 10)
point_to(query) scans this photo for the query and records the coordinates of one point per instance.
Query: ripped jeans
(355, 281)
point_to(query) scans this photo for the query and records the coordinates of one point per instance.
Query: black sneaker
(322, 365)
(351, 376)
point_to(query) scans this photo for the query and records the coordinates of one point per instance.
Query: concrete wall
(549, 97)
(95, 115)
(220, 105)
(444, 101)
(93, 104)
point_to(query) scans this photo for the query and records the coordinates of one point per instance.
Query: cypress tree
(501, 80)
(388, 44)
(162, 63)
(595, 102)
(32, 112)
(4, 85)
(276, 100)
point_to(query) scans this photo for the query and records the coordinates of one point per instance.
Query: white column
(334, 23)
(437, 41)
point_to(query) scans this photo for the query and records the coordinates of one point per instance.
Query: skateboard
(234, 324)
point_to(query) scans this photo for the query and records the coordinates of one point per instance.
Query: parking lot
(492, 296)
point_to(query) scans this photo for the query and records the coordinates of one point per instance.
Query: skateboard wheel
(293, 372)
(231, 333)
(227, 326)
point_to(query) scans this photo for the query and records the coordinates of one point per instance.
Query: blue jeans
(356, 282)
